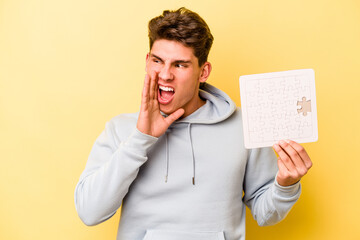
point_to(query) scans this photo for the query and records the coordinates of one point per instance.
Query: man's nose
(165, 73)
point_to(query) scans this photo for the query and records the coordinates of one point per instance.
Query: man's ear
(205, 72)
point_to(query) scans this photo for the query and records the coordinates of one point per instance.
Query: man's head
(183, 26)
(179, 45)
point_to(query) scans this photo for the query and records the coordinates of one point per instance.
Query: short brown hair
(184, 26)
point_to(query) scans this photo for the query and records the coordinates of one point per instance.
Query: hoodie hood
(217, 108)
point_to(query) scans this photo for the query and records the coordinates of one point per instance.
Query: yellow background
(67, 67)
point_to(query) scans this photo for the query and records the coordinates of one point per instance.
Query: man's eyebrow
(176, 61)
(182, 61)
(153, 55)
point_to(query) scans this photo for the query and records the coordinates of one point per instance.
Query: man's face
(179, 75)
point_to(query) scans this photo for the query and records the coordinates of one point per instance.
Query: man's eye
(180, 65)
(156, 60)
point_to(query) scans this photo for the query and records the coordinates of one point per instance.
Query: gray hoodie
(191, 183)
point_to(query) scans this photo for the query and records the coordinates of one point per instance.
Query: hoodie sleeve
(268, 201)
(109, 172)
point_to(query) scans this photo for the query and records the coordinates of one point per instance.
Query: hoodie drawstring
(192, 153)
(167, 155)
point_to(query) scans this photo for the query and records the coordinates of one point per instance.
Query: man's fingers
(282, 167)
(293, 162)
(288, 163)
(153, 86)
(145, 93)
(294, 156)
(302, 153)
(146, 87)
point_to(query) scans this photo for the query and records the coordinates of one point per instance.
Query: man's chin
(166, 111)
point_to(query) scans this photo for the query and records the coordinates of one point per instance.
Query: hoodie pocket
(178, 235)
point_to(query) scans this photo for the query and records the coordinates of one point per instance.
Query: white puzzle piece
(278, 106)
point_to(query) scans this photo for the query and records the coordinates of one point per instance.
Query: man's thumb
(174, 116)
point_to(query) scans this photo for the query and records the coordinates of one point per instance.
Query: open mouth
(165, 94)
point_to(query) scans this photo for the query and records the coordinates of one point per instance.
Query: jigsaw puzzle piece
(305, 106)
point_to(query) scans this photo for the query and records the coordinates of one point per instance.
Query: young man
(179, 168)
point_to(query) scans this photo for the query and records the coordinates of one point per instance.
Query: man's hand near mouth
(150, 121)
